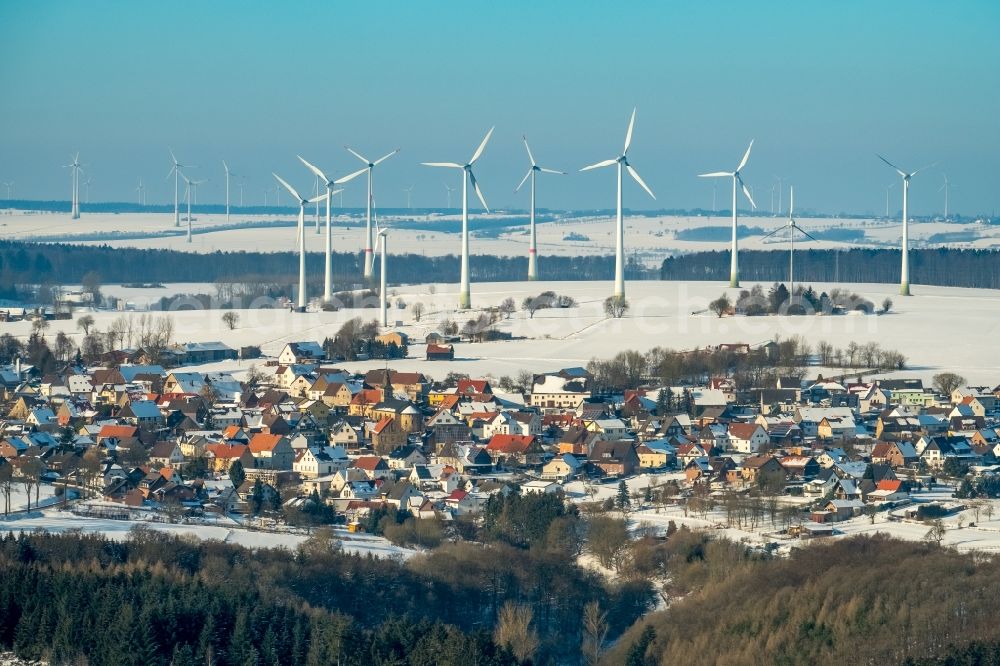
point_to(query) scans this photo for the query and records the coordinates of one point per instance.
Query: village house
(563, 390)
(614, 458)
(272, 451)
(747, 437)
(561, 468)
(301, 353)
(514, 449)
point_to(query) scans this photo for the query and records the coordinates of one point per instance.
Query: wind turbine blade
(716, 174)
(353, 152)
(315, 169)
(479, 193)
(172, 156)
(599, 165)
(333, 192)
(450, 165)
(791, 200)
(746, 156)
(635, 174)
(523, 180)
(898, 170)
(628, 134)
(318, 199)
(561, 173)
(482, 146)
(923, 168)
(746, 192)
(804, 232)
(350, 176)
(526, 147)
(287, 187)
(226, 166)
(768, 235)
(385, 157)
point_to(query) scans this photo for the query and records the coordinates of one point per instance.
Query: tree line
(864, 600)
(23, 264)
(948, 267)
(158, 599)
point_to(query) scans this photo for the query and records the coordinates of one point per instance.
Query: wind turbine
(75, 168)
(734, 270)
(192, 187)
(10, 189)
(370, 166)
(302, 237)
(532, 244)
(86, 190)
(904, 276)
(449, 189)
(946, 186)
(228, 174)
(622, 160)
(141, 189)
(380, 241)
(464, 297)
(330, 191)
(891, 185)
(409, 191)
(316, 188)
(175, 171)
(241, 190)
(792, 226)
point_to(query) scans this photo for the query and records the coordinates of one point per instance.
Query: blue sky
(820, 86)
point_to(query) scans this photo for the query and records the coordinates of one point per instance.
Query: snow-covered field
(651, 238)
(939, 328)
(984, 536)
(53, 520)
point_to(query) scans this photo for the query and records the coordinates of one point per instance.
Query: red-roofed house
(373, 467)
(386, 436)
(272, 451)
(221, 456)
(747, 437)
(117, 432)
(522, 449)
(461, 502)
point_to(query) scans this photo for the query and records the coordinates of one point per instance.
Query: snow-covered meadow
(937, 329)
(650, 237)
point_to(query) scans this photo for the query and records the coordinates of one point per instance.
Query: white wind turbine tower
(409, 191)
(449, 189)
(175, 171)
(532, 242)
(86, 190)
(330, 191)
(464, 297)
(10, 189)
(734, 268)
(904, 274)
(622, 161)
(189, 191)
(141, 190)
(370, 166)
(891, 185)
(946, 187)
(75, 168)
(317, 186)
(380, 241)
(228, 174)
(302, 237)
(792, 226)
